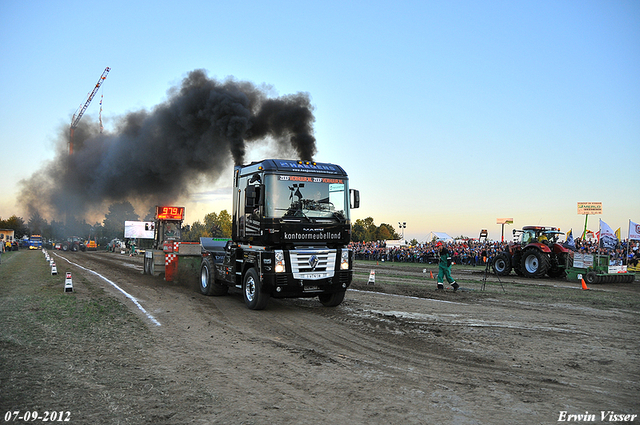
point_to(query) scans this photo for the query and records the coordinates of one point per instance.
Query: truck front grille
(310, 264)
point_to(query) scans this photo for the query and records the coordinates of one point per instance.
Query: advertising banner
(139, 229)
(589, 208)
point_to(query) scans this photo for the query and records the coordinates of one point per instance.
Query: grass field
(48, 350)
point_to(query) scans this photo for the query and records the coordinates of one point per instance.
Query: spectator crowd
(474, 253)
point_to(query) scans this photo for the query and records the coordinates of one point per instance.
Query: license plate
(314, 275)
(311, 288)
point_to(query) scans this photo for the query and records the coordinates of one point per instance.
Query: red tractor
(535, 255)
(73, 244)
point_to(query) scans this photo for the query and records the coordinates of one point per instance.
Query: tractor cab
(527, 237)
(539, 234)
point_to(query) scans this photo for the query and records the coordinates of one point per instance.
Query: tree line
(112, 226)
(367, 231)
(215, 225)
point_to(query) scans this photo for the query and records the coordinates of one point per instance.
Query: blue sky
(447, 115)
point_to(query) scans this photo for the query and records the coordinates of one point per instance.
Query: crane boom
(80, 112)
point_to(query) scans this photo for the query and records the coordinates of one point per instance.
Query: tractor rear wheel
(534, 263)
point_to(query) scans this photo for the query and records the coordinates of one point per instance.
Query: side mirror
(354, 198)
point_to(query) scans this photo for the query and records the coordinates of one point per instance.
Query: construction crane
(80, 112)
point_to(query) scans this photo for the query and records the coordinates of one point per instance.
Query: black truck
(291, 227)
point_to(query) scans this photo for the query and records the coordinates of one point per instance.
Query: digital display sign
(169, 213)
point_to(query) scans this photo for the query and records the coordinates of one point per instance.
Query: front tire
(534, 263)
(254, 296)
(332, 300)
(208, 284)
(502, 264)
(557, 273)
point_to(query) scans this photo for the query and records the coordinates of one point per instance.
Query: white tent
(439, 236)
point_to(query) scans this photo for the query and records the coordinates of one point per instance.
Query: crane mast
(80, 112)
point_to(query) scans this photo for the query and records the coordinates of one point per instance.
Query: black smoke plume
(156, 156)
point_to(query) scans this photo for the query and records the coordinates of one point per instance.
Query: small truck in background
(35, 242)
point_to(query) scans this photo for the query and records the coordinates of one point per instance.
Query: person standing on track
(444, 269)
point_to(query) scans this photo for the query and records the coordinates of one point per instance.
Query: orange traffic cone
(431, 274)
(584, 286)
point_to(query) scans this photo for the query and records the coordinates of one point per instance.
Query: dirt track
(376, 358)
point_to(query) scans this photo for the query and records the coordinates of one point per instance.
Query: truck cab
(289, 203)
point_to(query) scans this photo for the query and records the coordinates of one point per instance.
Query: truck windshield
(290, 196)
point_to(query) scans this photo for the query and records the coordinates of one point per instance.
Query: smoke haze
(155, 156)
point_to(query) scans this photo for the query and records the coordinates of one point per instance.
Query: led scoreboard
(169, 213)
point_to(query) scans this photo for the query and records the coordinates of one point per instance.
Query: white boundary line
(132, 298)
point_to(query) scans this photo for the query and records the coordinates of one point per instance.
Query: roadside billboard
(589, 208)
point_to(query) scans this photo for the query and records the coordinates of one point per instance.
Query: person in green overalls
(444, 269)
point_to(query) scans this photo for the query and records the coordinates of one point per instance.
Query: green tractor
(596, 268)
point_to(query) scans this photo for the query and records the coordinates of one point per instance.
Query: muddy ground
(413, 357)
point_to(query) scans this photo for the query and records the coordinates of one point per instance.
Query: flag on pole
(634, 230)
(607, 236)
(570, 243)
(618, 234)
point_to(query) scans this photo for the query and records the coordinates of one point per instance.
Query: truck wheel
(332, 300)
(591, 278)
(254, 297)
(208, 285)
(534, 263)
(502, 264)
(74, 248)
(65, 247)
(146, 266)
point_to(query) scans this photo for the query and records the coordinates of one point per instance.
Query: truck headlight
(344, 261)
(280, 265)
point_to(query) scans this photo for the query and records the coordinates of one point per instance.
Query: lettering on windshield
(310, 179)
